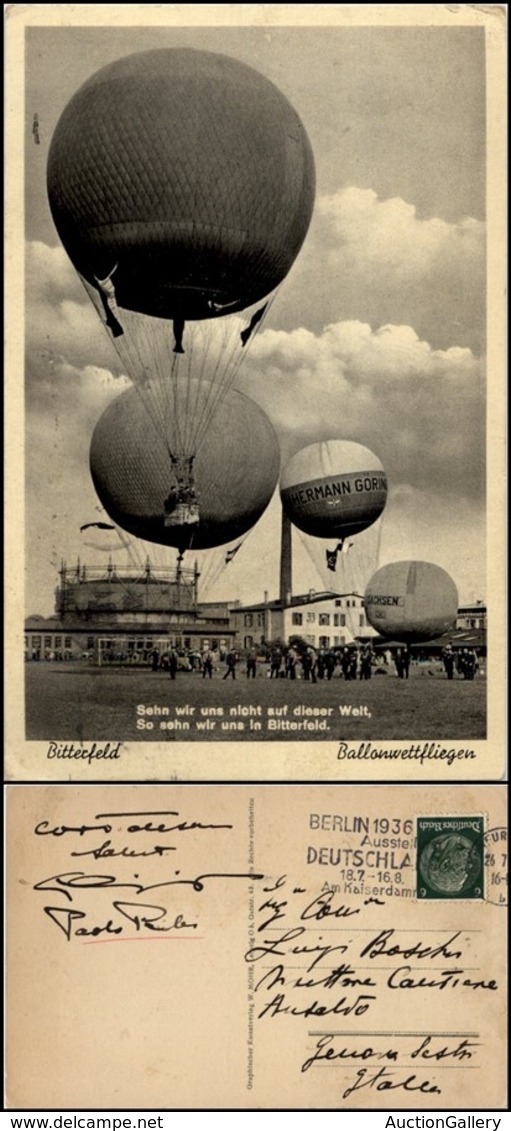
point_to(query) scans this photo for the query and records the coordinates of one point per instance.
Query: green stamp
(450, 858)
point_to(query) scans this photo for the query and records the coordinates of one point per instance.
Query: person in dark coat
(230, 659)
(448, 659)
(366, 663)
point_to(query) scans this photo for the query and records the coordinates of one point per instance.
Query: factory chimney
(285, 561)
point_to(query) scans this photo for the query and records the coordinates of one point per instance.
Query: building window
(297, 618)
(58, 642)
(324, 618)
(260, 620)
(310, 639)
(47, 642)
(90, 643)
(338, 604)
(248, 620)
(67, 642)
(248, 641)
(36, 642)
(324, 641)
(311, 617)
(361, 620)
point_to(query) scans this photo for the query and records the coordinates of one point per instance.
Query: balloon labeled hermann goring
(236, 472)
(333, 489)
(181, 184)
(411, 601)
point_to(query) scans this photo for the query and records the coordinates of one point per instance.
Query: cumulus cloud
(379, 381)
(421, 410)
(387, 235)
(61, 324)
(378, 261)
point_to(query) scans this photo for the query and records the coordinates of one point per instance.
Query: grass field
(73, 701)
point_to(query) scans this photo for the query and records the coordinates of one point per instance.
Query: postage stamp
(450, 857)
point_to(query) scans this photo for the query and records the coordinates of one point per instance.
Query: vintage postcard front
(257, 947)
(254, 477)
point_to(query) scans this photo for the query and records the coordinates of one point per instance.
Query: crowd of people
(295, 661)
(309, 664)
(465, 662)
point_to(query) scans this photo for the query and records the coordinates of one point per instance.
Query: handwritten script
(330, 970)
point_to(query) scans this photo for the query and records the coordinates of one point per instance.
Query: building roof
(124, 627)
(310, 598)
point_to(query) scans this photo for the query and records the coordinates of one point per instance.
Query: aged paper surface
(257, 947)
(377, 335)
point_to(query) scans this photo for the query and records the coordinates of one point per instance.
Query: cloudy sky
(377, 334)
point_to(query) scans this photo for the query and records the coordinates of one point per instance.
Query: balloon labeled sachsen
(181, 183)
(333, 489)
(235, 472)
(411, 601)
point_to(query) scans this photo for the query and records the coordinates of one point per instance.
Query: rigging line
(158, 350)
(218, 392)
(205, 334)
(231, 363)
(188, 415)
(218, 567)
(222, 333)
(146, 381)
(305, 540)
(212, 577)
(151, 341)
(207, 331)
(237, 354)
(172, 393)
(258, 327)
(174, 388)
(178, 387)
(208, 573)
(134, 359)
(166, 370)
(212, 393)
(379, 539)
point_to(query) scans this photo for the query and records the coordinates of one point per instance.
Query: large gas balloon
(186, 173)
(411, 601)
(333, 489)
(235, 471)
